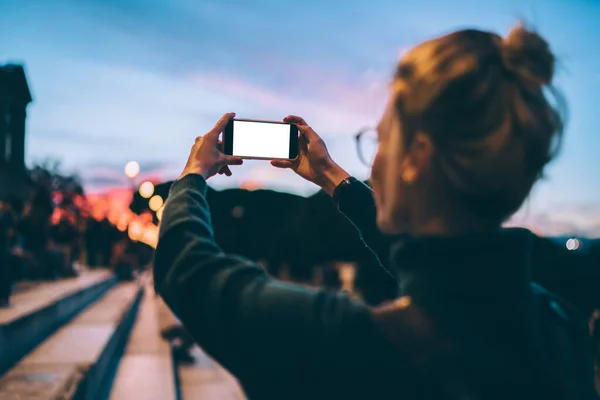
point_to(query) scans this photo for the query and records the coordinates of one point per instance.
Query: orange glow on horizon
(135, 231)
(150, 236)
(252, 185)
(113, 204)
(146, 217)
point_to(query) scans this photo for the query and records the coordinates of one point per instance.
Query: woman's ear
(420, 155)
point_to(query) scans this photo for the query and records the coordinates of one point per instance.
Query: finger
(232, 160)
(222, 170)
(225, 170)
(308, 133)
(220, 125)
(294, 119)
(282, 163)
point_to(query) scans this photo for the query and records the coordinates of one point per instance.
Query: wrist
(197, 171)
(332, 177)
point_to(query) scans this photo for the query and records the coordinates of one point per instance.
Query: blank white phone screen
(261, 139)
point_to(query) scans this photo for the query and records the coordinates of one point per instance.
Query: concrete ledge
(100, 375)
(146, 369)
(79, 361)
(206, 379)
(40, 382)
(176, 376)
(22, 329)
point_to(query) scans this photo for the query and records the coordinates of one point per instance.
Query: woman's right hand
(313, 162)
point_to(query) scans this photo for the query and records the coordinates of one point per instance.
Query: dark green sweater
(262, 330)
(283, 341)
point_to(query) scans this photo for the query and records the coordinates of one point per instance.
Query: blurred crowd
(51, 235)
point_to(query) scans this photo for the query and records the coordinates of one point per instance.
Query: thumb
(282, 163)
(213, 134)
(211, 137)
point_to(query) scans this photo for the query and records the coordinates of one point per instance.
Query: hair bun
(528, 55)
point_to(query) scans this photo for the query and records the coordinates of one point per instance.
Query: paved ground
(146, 369)
(207, 380)
(28, 301)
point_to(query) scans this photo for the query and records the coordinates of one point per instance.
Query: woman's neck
(448, 224)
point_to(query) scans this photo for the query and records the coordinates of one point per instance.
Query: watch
(339, 189)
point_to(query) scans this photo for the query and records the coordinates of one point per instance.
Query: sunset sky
(115, 80)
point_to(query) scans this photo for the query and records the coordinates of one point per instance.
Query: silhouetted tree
(53, 188)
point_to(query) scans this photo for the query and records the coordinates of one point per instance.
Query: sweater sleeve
(233, 309)
(357, 204)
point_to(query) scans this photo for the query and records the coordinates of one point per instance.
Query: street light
(135, 231)
(155, 202)
(146, 189)
(132, 169)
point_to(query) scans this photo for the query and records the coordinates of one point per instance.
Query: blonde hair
(481, 99)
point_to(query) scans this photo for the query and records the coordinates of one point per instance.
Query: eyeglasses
(366, 145)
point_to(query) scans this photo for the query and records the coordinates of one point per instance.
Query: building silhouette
(15, 96)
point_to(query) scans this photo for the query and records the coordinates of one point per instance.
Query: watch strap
(340, 188)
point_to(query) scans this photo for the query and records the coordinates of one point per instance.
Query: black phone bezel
(293, 153)
(228, 137)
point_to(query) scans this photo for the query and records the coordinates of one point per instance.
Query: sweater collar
(476, 263)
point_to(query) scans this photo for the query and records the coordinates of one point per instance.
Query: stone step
(78, 361)
(37, 313)
(144, 376)
(207, 380)
(146, 369)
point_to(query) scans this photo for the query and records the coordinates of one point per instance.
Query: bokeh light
(573, 244)
(135, 231)
(113, 217)
(124, 220)
(122, 226)
(132, 169)
(155, 202)
(159, 213)
(146, 217)
(150, 235)
(237, 212)
(146, 189)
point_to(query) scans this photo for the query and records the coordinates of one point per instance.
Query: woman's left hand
(206, 157)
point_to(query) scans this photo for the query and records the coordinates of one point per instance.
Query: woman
(466, 134)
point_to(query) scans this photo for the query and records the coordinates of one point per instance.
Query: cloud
(577, 220)
(162, 114)
(105, 176)
(146, 115)
(335, 108)
(139, 79)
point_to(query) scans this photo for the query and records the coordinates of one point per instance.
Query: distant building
(14, 99)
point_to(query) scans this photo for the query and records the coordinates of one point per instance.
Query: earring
(409, 175)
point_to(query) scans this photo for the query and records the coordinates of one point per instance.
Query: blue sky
(139, 79)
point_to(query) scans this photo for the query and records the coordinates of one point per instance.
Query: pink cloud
(583, 220)
(333, 104)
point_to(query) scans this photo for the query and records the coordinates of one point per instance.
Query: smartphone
(260, 140)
